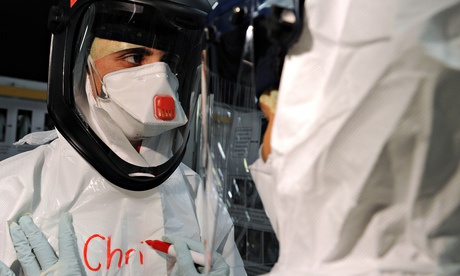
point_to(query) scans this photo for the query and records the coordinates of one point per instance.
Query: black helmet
(174, 27)
(248, 39)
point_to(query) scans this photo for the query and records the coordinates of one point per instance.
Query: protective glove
(5, 270)
(36, 255)
(184, 264)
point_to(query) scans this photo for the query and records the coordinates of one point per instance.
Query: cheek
(102, 67)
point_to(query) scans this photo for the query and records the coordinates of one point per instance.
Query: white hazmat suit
(111, 224)
(364, 173)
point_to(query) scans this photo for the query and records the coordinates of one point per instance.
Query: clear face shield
(246, 45)
(126, 78)
(133, 70)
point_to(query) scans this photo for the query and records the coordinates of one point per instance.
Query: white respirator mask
(141, 100)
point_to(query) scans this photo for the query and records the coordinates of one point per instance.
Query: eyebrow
(139, 50)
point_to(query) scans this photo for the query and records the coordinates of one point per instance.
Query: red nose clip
(164, 107)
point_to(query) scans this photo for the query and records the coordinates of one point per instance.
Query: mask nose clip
(164, 107)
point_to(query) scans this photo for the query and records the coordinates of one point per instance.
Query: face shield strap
(92, 68)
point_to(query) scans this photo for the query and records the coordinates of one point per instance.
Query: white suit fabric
(111, 223)
(364, 173)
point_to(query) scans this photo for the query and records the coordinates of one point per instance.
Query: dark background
(25, 39)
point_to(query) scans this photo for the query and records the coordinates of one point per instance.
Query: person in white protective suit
(122, 91)
(360, 174)
(363, 175)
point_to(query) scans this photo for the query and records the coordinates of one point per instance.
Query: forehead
(103, 47)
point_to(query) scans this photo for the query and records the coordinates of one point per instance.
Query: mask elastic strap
(93, 68)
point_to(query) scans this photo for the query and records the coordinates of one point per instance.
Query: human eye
(134, 59)
(135, 56)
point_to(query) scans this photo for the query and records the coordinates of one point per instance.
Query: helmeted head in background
(246, 43)
(124, 74)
